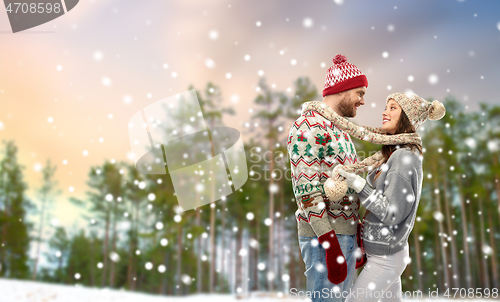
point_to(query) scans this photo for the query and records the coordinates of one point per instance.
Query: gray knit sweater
(393, 203)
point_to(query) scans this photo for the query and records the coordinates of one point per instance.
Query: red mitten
(335, 260)
(361, 259)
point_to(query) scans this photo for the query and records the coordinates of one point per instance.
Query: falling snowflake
(162, 268)
(127, 99)
(385, 55)
(209, 63)
(114, 256)
(433, 79)
(261, 266)
(470, 142)
(250, 216)
(106, 81)
(307, 22)
(98, 56)
(438, 216)
(213, 35)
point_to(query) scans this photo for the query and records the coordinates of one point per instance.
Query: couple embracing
(329, 190)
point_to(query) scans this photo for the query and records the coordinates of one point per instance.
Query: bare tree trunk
(497, 182)
(238, 266)
(113, 247)
(199, 253)
(5, 225)
(212, 224)
(39, 241)
(293, 270)
(282, 242)
(163, 290)
(484, 264)
(475, 255)
(257, 252)
(105, 249)
(465, 232)
(130, 256)
(92, 262)
(449, 221)
(212, 247)
(419, 259)
(271, 217)
(136, 244)
(441, 231)
(438, 247)
(222, 279)
(494, 266)
(179, 259)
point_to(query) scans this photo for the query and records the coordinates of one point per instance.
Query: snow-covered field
(29, 291)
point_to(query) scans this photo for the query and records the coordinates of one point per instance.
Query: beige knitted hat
(417, 109)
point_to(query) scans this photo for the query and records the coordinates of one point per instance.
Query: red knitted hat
(343, 76)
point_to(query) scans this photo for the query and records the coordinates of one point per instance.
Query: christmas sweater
(315, 146)
(393, 202)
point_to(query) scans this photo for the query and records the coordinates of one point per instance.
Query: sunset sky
(71, 85)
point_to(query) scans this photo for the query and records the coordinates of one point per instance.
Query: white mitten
(353, 180)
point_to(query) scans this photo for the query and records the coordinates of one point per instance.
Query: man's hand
(353, 181)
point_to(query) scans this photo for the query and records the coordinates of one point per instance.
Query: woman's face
(390, 116)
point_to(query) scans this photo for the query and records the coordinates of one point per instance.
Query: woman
(396, 174)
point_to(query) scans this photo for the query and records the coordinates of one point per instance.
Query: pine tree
(59, 251)
(46, 193)
(14, 229)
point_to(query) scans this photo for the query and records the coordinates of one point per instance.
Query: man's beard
(346, 108)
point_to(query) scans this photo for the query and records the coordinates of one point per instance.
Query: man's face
(351, 100)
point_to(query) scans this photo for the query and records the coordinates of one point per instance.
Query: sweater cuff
(365, 193)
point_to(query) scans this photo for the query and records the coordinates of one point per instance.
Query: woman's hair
(403, 126)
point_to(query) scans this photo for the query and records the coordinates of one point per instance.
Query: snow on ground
(29, 291)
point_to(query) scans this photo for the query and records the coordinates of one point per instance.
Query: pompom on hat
(417, 109)
(343, 76)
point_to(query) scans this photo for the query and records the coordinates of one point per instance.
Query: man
(327, 230)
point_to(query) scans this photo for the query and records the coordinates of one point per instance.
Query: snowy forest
(138, 240)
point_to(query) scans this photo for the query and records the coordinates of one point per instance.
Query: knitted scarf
(336, 187)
